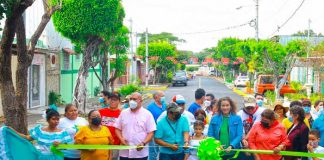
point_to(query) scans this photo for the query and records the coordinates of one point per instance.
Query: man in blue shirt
(156, 108)
(172, 133)
(200, 98)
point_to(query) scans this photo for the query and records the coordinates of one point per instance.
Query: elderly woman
(94, 133)
(268, 134)
(70, 122)
(298, 132)
(226, 126)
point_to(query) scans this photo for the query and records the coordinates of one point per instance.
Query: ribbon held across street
(209, 149)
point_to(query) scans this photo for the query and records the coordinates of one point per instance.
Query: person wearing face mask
(93, 134)
(135, 126)
(307, 108)
(172, 134)
(208, 107)
(297, 133)
(318, 125)
(259, 99)
(181, 102)
(227, 127)
(268, 134)
(312, 146)
(288, 122)
(318, 107)
(156, 108)
(104, 99)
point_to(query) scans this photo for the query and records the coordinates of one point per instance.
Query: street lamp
(254, 23)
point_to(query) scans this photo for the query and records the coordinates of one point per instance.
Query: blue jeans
(153, 151)
(179, 156)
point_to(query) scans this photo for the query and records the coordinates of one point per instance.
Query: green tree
(88, 24)
(298, 47)
(14, 99)
(161, 57)
(182, 56)
(163, 36)
(226, 48)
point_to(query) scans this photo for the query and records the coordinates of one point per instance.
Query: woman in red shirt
(268, 134)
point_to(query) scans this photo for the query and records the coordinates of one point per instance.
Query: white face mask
(132, 104)
(207, 103)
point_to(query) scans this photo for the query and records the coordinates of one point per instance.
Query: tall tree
(14, 101)
(299, 47)
(116, 45)
(88, 23)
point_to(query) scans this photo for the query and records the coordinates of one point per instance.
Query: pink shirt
(135, 126)
(267, 139)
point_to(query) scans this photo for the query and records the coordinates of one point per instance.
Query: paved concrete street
(210, 85)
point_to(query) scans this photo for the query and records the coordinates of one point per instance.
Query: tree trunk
(9, 103)
(24, 61)
(80, 85)
(104, 69)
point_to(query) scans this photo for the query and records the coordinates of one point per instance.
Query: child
(312, 146)
(195, 140)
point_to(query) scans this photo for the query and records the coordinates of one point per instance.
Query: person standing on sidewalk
(172, 134)
(104, 99)
(156, 108)
(109, 117)
(199, 101)
(71, 122)
(135, 126)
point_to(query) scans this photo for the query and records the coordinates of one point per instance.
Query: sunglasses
(134, 99)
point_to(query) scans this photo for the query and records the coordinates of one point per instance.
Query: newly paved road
(210, 85)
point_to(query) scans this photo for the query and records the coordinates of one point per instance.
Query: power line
(216, 30)
(282, 25)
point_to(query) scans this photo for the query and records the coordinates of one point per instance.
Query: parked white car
(241, 81)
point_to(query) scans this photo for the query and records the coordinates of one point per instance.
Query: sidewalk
(34, 115)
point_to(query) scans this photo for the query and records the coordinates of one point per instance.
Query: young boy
(312, 146)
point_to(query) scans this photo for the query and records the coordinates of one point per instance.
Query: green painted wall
(69, 74)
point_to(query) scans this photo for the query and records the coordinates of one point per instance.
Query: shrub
(128, 89)
(55, 98)
(271, 97)
(169, 76)
(192, 68)
(96, 91)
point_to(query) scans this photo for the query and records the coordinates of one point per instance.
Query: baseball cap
(178, 99)
(114, 94)
(249, 101)
(173, 107)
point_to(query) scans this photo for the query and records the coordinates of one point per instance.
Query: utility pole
(257, 20)
(133, 75)
(146, 58)
(308, 77)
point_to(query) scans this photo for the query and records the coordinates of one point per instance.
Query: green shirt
(224, 134)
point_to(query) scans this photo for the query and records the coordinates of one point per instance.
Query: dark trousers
(179, 156)
(241, 156)
(126, 158)
(65, 158)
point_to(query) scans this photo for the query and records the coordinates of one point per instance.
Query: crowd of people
(171, 130)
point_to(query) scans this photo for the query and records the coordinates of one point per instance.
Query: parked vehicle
(241, 81)
(180, 77)
(266, 83)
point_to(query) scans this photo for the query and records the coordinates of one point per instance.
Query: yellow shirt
(287, 124)
(88, 136)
